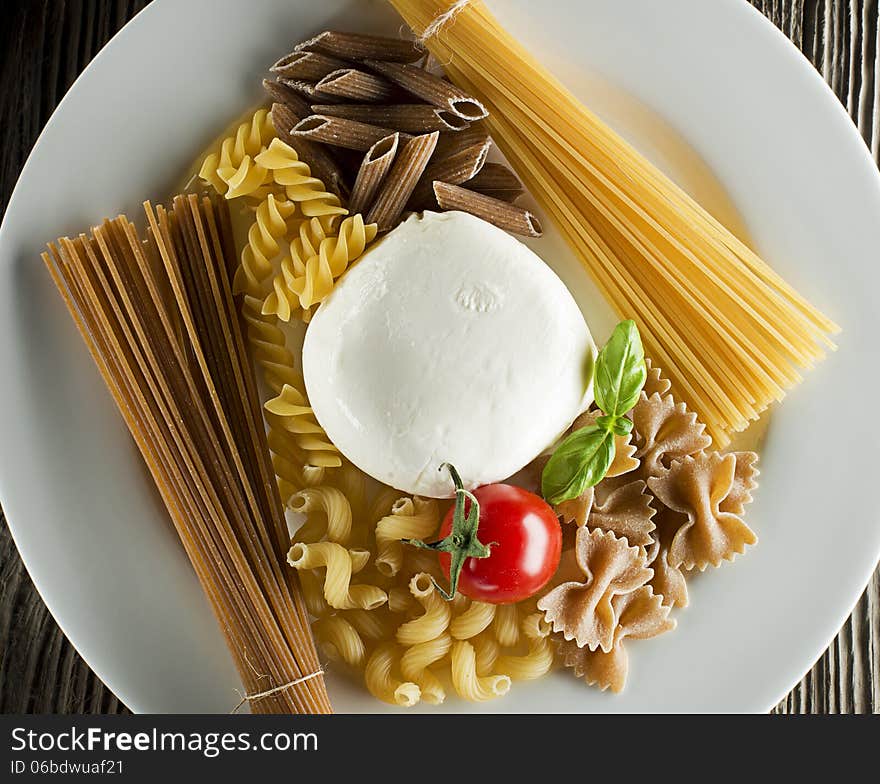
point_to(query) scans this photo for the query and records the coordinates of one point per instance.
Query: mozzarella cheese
(449, 341)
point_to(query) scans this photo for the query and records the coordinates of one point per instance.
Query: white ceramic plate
(700, 87)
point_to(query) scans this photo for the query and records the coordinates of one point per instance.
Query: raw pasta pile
(668, 506)
(389, 133)
(156, 311)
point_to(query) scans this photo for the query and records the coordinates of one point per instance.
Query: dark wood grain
(44, 44)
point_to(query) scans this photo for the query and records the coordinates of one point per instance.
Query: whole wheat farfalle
(584, 611)
(624, 508)
(668, 582)
(665, 431)
(641, 615)
(655, 383)
(709, 491)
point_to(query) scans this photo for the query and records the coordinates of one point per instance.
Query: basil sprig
(584, 457)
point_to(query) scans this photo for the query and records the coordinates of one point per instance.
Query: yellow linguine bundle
(729, 332)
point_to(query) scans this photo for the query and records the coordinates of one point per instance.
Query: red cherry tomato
(525, 543)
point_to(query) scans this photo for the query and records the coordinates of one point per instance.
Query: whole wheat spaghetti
(730, 334)
(159, 320)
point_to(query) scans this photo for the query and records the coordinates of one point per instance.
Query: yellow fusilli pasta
(294, 175)
(318, 256)
(340, 564)
(295, 415)
(272, 224)
(410, 518)
(232, 169)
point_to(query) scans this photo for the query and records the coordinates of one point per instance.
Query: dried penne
(375, 166)
(293, 99)
(309, 66)
(455, 169)
(450, 143)
(356, 85)
(308, 90)
(340, 132)
(355, 46)
(430, 88)
(496, 180)
(411, 117)
(321, 163)
(401, 181)
(504, 215)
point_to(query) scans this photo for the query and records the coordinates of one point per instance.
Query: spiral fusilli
(232, 169)
(272, 224)
(318, 256)
(294, 175)
(296, 417)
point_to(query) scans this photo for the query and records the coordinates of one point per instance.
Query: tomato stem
(462, 542)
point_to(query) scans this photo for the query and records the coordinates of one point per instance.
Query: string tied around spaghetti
(275, 690)
(441, 20)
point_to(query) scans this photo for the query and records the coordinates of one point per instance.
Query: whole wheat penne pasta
(308, 91)
(356, 46)
(356, 85)
(455, 169)
(340, 132)
(496, 180)
(310, 66)
(321, 162)
(375, 166)
(450, 143)
(284, 94)
(517, 220)
(431, 88)
(401, 180)
(411, 117)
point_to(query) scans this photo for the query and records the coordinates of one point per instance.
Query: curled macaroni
(340, 640)
(381, 681)
(470, 685)
(433, 622)
(539, 658)
(340, 564)
(410, 518)
(472, 621)
(506, 625)
(415, 662)
(327, 514)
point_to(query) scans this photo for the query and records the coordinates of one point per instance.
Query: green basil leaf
(580, 461)
(620, 370)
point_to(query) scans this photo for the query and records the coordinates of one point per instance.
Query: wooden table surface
(46, 43)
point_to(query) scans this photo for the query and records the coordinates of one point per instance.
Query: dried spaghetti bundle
(159, 320)
(730, 334)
